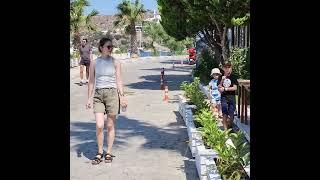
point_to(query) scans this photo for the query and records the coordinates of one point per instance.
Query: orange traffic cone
(166, 96)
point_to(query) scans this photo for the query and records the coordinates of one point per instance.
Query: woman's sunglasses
(109, 47)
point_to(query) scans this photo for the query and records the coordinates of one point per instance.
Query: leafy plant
(190, 88)
(241, 148)
(207, 62)
(80, 22)
(156, 34)
(241, 20)
(210, 130)
(185, 86)
(194, 94)
(203, 18)
(204, 117)
(75, 55)
(240, 62)
(130, 13)
(232, 159)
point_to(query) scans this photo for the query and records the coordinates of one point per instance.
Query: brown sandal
(108, 158)
(97, 159)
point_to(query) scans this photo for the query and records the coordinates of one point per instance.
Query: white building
(156, 17)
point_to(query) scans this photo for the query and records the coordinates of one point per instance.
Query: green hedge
(231, 159)
(206, 63)
(240, 58)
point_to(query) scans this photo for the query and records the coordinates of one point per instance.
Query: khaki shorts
(106, 100)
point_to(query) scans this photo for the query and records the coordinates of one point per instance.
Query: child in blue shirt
(214, 92)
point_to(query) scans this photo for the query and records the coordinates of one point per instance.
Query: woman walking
(105, 74)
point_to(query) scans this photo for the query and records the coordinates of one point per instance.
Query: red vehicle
(192, 55)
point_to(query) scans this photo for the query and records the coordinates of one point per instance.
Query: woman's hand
(123, 101)
(89, 104)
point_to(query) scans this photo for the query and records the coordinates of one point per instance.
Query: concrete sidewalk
(150, 135)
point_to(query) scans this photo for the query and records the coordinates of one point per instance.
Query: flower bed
(219, 154)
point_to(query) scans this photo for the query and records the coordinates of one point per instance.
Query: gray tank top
(105, 73)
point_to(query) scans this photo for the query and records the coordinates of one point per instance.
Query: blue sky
(108, 7)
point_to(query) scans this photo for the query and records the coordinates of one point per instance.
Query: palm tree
(129, 14)
(80, 22)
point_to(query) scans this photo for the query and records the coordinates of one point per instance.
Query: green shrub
(240, 58)
(155, 53)
(194, 94)
(209, 127)
(231, 159)
(75, 55)
(207, 62)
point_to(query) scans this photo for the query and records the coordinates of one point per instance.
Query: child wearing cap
(228, 87)
(214, 92)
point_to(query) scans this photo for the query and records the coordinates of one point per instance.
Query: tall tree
(209, 19)
(129, 14)
(80, 22)
(158, 35)
(153, 31)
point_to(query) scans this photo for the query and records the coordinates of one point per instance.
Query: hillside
(105, 22)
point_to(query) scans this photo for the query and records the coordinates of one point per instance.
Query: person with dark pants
(228, 87)
(85, 59)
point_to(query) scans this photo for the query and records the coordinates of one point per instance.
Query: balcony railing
(244, 101)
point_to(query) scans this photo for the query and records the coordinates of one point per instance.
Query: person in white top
(105, 74)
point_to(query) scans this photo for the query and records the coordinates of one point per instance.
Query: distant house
(156, 17)
(104, 32)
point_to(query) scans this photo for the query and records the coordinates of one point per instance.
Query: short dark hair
(102, 42)
(226, 64)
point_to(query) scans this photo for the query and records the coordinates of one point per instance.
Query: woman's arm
(118, 77)
(233, 88)
(91, 78)
(119, 82)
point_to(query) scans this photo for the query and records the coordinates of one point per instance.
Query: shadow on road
(152, 82)
(176, 68)
(172, 138)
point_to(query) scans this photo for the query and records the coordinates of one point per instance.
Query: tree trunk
(212, 40)
(221, 31)
(153, 48)
(134, 45)
(224, 44)
(217, 52)
(217, 46)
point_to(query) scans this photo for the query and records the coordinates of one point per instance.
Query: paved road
(150, 135)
